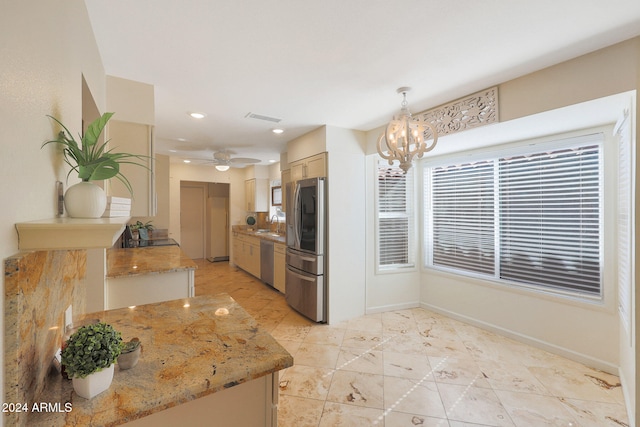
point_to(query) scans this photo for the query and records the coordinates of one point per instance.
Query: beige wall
(47, 47)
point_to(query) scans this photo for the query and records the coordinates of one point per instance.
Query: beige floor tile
(306, 381)
(318, 355)
(391, 369)
(412, 366)
(360, 360)
(596, 414)
(533, 410)
(338, 415)
(401, 419)
(363, 339)
(299, 412)
(473, 405)
(413, 396)
(355, 388)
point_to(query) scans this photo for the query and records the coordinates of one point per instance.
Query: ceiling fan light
(222, 168)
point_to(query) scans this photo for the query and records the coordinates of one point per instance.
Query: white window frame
(493, 153)
(409, 214)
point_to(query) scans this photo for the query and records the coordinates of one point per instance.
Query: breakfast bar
(205, 361)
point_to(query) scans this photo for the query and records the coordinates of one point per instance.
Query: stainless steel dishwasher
(266, 261)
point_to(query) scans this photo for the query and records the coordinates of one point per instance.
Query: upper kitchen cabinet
(309, 167)
(256, 191)
(131, 131)
(285, 179)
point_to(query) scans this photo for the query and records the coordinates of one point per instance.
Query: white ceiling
(334, 62)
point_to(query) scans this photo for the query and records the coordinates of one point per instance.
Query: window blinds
(463, 216)
(550, 219)
(531, 215)
(395, 225)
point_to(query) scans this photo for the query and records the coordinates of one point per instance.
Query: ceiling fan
(223, 160)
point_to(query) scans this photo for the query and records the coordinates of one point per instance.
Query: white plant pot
(93, 384)
(85, 200)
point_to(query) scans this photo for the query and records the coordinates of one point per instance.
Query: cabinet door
(297, 169)
(285, 179)
(134, 138)
(316, 166)
(279, 267)
(250, 194)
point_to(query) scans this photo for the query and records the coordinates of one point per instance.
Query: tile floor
(416, 368)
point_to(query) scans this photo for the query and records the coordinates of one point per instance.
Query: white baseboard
(552, 348)
(392, 307)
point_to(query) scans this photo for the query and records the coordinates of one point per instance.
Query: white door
(192, 215)
(219, 228)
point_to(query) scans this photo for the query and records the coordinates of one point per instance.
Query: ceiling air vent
(262, 117)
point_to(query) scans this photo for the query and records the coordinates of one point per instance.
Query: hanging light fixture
(404, 137)
(222, 168)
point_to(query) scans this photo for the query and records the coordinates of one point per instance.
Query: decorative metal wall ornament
(470, 112)
(406, 137)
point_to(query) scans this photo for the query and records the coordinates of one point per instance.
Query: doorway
(204, 220)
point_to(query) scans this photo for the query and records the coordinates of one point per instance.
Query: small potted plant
(89, 356)
(144, 230)
(93, 162)
(130, 354)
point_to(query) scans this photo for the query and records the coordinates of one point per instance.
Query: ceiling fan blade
(244, 160)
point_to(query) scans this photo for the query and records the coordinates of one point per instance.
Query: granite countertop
(277, 238)
(148, 260)
(191, 348)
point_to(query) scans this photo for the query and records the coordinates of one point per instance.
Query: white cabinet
(279, 266)
(134, 138)
(257, 195)
(246, 253)
(126, 291)
(310, 167)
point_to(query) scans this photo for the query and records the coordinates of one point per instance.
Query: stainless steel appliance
(306, 280)
(266, 261)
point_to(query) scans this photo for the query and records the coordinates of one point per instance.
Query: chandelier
(404, 137)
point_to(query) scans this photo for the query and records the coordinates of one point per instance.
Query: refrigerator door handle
(297, 215)
(300, 276)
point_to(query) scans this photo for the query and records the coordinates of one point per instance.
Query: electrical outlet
(68, 317)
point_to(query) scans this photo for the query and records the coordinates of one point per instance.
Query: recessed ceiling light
(197, 115)
(272, 161)
(187, 161)
(173, 151)
(277, 130)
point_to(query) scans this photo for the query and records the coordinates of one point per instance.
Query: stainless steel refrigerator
(306, 279)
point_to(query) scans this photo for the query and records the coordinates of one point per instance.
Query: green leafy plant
(90, 349)
(90, 159)
(130, 346)
(138, 225)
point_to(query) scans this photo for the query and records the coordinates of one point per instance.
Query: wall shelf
(70, 233)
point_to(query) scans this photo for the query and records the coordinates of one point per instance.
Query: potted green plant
(144, 229)
(130, 354)
(93, 162)
(88, 358)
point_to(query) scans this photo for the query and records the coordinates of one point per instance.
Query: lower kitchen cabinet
(279, 267)
(246, 253)
(126, 291)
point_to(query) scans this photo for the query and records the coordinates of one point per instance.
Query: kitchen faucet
(277, 223)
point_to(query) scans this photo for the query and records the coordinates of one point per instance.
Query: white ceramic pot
(85, 200)
(93, 384)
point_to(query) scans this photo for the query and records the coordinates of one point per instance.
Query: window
(395, 217)
(528, 216)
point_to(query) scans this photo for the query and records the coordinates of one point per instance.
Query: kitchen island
(205, 361)
(147, 274)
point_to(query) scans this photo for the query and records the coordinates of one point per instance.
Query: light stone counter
(192, 348)
(155, 259)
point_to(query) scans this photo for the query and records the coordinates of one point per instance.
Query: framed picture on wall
(276, 196)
